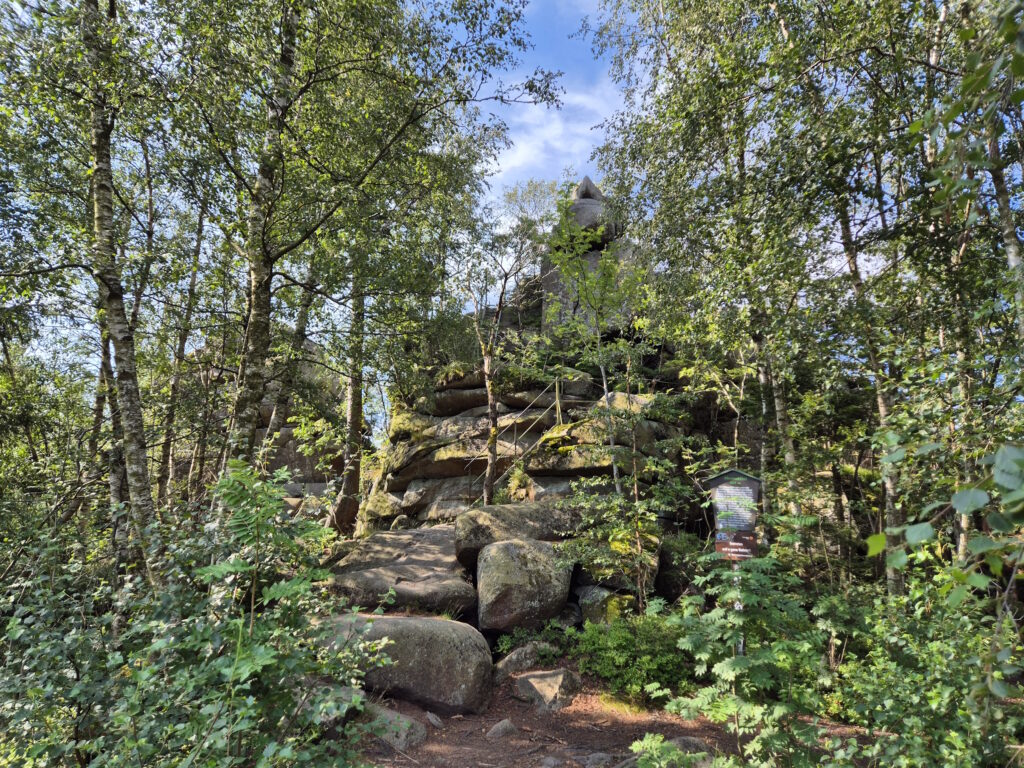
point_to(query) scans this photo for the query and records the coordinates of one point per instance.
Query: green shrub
(765, 695)
(913, 686)
(633, 654)
(616, 539)
(653, 751)
(551, 633)
(223, 663)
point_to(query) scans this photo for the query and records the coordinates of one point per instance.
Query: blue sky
(547, 141)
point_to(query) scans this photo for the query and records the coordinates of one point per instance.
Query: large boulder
(520, 583)
(440, 664)
(379, 509)
(476, 528)
(419, 565)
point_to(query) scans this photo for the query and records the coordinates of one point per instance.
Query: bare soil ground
(591, 724)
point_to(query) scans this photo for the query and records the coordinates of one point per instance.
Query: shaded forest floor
(574, 737)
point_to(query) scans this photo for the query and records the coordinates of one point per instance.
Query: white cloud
(547, 141)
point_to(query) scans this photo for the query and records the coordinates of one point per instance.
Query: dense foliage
(212, 669)
(230, 231)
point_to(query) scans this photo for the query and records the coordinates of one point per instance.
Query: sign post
(735, 496)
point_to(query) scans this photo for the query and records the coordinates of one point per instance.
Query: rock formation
(496, 568)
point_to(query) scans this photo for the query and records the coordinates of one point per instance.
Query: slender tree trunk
(893, 516)
(346, 505)
(490, 475)
(764, 384)
(282, 402)
(167, 448)
(961, 344)
(260, 251)
(99, 406)
(785, 429)
(117, 476)
(840, 512)
(197, 467)
(1007, 225)
(108, 275)
(608, 408)
(147, 264)
(12, 371)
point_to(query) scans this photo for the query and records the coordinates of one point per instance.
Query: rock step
(418, 564)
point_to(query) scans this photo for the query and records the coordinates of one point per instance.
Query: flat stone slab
(418, 564)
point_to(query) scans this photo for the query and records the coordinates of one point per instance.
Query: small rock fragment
(522, 659)
(434, 720)
(550, 691)
(596, 760)
(394, 728)
(501, 729)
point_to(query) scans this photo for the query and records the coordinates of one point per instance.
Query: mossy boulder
(380, 506)
(603, 606)
(520, 583)
(408, 425)
(442, 665)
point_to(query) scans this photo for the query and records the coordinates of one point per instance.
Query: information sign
(734, 497)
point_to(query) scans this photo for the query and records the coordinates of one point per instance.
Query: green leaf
(999, 523)
(999, 688)
(220, 570)
(919, 533)
(282, 589)
(957, 595)
(896, 559)
(927, 448)
(969, 500)
(898, 455)
(876, 544)
(978, 580)
(980, 544)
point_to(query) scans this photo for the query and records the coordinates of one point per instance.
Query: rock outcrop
(419, 565)
(477, 528)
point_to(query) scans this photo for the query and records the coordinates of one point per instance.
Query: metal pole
(738, 605)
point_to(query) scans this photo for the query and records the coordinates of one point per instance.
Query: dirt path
(575, 737)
